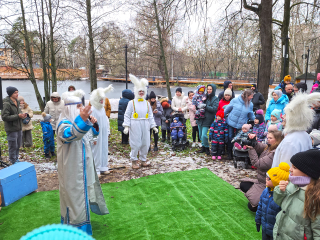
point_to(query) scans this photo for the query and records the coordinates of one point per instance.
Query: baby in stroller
(177, 131)
(198, 100)
(241, 138)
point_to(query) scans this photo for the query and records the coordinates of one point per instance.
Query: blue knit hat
(276, 113)
(176, 118)
(57, 231)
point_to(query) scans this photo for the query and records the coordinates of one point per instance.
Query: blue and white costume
(79, 185)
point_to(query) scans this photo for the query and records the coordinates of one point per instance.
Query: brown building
(5, 56)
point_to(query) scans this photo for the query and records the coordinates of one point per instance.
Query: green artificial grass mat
(181, 205)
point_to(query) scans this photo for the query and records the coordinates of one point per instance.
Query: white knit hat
(315, 135)
(228, 92)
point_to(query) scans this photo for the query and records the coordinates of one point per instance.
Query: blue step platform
(17, 181)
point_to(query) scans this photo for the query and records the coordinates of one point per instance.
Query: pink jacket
(314, 87)
(192, 111)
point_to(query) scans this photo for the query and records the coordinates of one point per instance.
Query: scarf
(300, 181)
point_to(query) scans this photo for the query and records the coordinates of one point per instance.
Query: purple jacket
(258, 130)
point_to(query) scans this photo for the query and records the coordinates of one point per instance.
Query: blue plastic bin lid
(57, 231)
(12, 172)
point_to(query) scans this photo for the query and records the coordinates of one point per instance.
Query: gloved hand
(258, 227)
(126, 130)
(202, 105)
(155, 130)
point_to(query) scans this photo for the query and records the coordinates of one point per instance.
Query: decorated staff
(138, 120)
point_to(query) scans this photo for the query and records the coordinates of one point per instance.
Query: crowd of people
(282, 144)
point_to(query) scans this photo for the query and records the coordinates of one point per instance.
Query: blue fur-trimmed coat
(258, 130)
(267, 212)
(218, 136)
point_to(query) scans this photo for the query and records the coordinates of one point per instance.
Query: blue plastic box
(17, 181)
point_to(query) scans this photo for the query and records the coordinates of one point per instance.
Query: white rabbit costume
(299, 118)
(100, 144)
(138, 119)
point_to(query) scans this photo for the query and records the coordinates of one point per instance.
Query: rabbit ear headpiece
(73, 97)
(99, 94)
(139, 85)
(299, 115)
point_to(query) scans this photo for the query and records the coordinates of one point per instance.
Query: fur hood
(282, 100)
(299, 115)
(139, 85)
(99, 94)
(181, 97)
(74, 96)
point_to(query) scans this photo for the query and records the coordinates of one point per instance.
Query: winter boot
(208, 151)
(213, 157)
(202, 150)
(53, 154)
(145, 164)
(135, 165)
(230, 155)
(155, 148)
(46, 155)
(219, 157)
(163, 135)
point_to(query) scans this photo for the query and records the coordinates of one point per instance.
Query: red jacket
(222, 103)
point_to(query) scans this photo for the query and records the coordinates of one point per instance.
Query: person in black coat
(226, 84)
(257, 99)
(127, 95)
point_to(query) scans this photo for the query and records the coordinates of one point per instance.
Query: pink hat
(273, 127)
(247, 126)
(318, 77)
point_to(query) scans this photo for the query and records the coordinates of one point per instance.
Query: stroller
(242, 156)
(179, 145)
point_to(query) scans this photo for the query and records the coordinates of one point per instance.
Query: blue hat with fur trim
(176, 118)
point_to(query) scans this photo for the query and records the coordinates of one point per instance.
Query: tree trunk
(162, 49)
(318, 65)
(43, 57)
(92, 68)
(264, 11)
(53, 58)
(265, 23)
(29, 55)
(284, 34)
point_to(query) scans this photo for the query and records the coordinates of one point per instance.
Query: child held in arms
(241, 136)
(176, 130)
(48, 136)
(259, 126)
(218, 135)
(267, 208)
(198, 100)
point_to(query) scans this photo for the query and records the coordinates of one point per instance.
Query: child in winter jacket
(227, 96)
(165, 119)
(275, 120)
(267, 208)
(259, 126)
(176, 130)
(48, 136)
(299, 199)
(315, 137)
(198, 100)
(218, 135)
(242, 135)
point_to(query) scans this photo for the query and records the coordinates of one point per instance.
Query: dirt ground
(165, 160)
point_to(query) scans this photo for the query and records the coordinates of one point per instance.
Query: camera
(250, 142)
